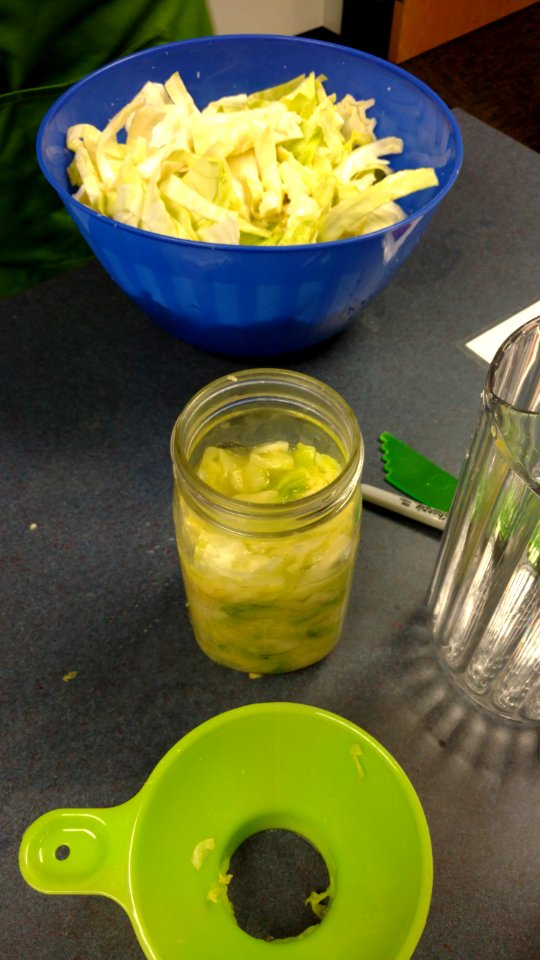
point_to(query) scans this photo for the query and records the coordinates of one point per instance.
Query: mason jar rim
(260, 380)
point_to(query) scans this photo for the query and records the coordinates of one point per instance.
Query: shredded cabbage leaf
(286, 165)
(262, 603)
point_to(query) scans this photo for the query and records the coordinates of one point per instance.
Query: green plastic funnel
(164, 854)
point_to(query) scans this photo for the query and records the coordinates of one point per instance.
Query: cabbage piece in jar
(275, 601)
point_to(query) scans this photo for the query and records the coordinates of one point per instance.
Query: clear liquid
(249, 427)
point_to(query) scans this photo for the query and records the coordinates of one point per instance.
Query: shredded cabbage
(286, 165)
(267, 604)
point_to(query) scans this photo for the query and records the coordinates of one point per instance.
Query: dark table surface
(91, 582)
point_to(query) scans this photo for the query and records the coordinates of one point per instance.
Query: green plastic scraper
(415, 475)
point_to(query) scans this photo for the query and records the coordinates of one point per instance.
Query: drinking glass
(484, 599)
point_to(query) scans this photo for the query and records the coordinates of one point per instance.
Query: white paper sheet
(486, 344)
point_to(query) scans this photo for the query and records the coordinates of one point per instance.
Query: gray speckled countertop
(91, 583)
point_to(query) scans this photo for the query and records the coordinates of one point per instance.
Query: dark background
(491, 73)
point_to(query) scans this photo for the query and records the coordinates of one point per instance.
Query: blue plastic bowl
(256, 301)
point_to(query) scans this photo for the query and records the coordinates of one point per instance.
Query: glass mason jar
(267, 584)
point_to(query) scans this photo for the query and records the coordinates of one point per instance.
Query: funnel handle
(81, 851)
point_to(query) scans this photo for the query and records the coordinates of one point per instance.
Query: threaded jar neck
(263, 405)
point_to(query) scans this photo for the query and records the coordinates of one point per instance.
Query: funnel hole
(62, 852)
(274, 872)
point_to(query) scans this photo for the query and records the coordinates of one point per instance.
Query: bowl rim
(254, 249)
